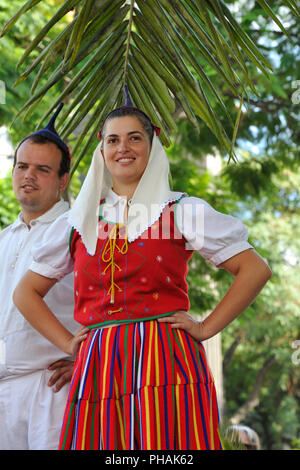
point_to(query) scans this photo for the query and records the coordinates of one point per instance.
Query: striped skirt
(141, 386)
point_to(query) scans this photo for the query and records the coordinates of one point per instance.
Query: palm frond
(161, 49)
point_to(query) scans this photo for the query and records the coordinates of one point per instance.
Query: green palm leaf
(150, 45)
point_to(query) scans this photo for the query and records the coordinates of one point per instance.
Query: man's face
(36, 182)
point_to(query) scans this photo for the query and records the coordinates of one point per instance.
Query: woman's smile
(125, 160)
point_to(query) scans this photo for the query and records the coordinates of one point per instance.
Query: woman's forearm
(250, 275)
(30, 303)
(247, 284)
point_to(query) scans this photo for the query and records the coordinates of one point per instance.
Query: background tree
(11, 50)
(150, 46)
(261, 379)
(262, 383)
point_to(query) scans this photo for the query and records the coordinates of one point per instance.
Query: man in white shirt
(32, 394)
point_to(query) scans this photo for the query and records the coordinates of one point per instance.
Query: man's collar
(59, 208)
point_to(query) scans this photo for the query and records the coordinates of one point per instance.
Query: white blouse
(216, 236)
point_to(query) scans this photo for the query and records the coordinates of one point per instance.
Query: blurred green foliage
(262, 189)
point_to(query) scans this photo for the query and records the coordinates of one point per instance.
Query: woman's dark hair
(39, 139)
(121, 112)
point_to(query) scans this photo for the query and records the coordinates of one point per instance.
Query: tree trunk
(253, 400)
(230, 352)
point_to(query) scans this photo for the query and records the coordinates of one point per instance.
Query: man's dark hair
(39, 139)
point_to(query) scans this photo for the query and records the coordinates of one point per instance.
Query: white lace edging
(156, 216)
(137, 234)
(75, 226)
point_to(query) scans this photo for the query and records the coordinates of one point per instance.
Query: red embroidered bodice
(134, 281)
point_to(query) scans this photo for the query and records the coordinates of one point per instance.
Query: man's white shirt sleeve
(51, 257)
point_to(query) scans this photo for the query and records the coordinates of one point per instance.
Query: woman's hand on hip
(181, 319)
(74, 341)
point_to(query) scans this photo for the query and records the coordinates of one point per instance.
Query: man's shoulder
(60, 209)
(7, 230)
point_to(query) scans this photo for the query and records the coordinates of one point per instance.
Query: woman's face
(126, 149)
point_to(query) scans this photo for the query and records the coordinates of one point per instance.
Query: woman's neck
(126, 191)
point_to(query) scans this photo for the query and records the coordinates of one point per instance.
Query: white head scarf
(152, 194)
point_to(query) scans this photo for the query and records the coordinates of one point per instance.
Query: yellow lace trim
(108, 256)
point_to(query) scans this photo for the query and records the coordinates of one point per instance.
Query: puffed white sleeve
(51, 256)
(216, 236)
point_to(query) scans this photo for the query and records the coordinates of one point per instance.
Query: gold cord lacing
(108, 256)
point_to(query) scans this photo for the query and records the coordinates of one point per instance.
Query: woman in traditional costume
(141, 379)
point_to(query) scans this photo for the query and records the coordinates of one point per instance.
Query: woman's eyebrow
(135, 132)
(129, 133)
